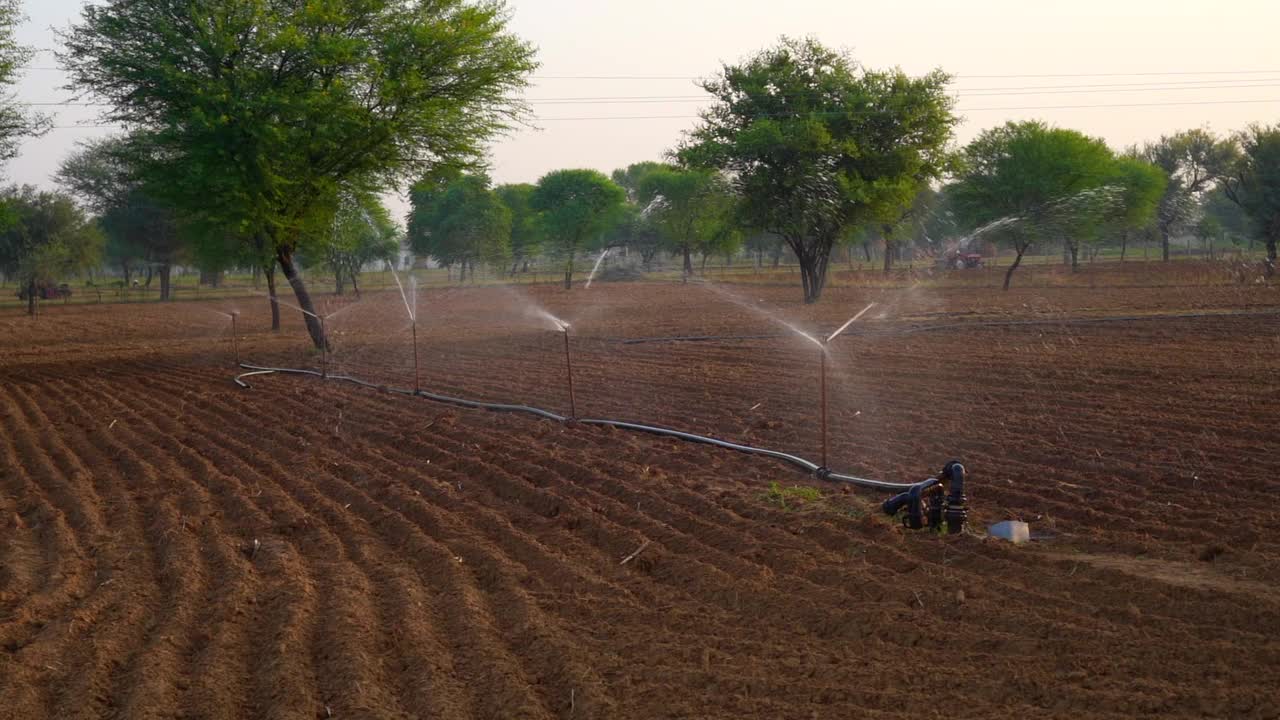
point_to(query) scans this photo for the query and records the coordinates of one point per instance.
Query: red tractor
(961, 261)
(47, 292)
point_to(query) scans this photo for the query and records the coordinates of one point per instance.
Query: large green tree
(576, 207)
(1253, 183)
(361, 233)
(816, 144)
(1192, 162)
(692, 209)
(1025, 182)
(526, 226)
(141, 230)
(467, 223)
(17, 120)
(47, 237)
(255, 115)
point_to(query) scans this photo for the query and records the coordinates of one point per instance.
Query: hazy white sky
(1219, 52)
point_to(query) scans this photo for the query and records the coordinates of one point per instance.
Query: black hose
(806, 465)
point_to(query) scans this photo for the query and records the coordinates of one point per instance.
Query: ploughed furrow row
(214, 667)
(122, 581)
(345, 621)
(187, 542)
(497, 685)
(116, 624)
(40, 524)
(498, 577)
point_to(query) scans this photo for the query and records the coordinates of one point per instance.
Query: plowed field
(172, 546)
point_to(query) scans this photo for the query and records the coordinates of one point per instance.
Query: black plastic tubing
(806, 465)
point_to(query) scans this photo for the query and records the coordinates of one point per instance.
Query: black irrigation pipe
(942, 327)
(808, 466)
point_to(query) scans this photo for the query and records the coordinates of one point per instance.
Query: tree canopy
(576, 206)
(1253, 183)
(815, 144)
(17, 121)
(47, 238)
(1026, 181)
(692, 209)
(1192, 161)
(255, 115)
(466, 223)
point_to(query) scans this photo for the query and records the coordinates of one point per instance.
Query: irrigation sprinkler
(324, 349)
(568, 365)
(417, 382)
(822, 375)
(235, 340)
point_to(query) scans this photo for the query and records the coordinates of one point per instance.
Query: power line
(959, 110)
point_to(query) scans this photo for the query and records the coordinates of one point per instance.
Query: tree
(1022, 183)
(630, 177)
(576, 206)
(691, 209)
(17, 121)
(46, 238)
(1192, 161)
(1142, 185)
(253, 116)
(361, 233)
(816, 144)
(466, 223)
(526, 227)
(1253, 183)
(140, 230)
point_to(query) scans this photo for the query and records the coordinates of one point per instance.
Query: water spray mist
(822, 377)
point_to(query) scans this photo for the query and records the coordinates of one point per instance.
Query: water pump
(934, 501)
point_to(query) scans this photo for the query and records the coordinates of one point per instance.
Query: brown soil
(173, 546)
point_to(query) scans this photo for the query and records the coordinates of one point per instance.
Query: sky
(1159, 67)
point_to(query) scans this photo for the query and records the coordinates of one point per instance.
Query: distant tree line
(262, 133)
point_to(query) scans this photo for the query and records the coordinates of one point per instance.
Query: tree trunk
(124, 266)
(568, 273)
(1008, 274)
(316, 330)
(354, 286)
(165, 285)
(888, 256)
(1074, 250)
(147, 284)
(1124, 244)
(703, 269)
(813, 270)
(688, 262)
(1164, 243)
(31, 297)
(1271, 257)
(257, 276)
(338, 285)
(270, 272)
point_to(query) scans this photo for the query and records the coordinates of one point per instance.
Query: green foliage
(816, 144)
(139, 229)
(1025, 182)
(254, 116)
(631, 177)
(576, 206)
(48, 237)
(1253, 183)
(526, 226)
(361, 233)
(692, 210)
(17, 121)
(1191, 161)
(465, 223)
(796, 495)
